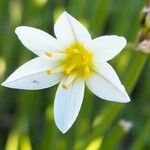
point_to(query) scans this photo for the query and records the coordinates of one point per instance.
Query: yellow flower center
(74, 61)
(78, 61)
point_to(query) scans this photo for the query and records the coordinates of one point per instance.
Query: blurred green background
(26, 117)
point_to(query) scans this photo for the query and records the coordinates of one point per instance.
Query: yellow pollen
(64, 86)
(49, 72)
(48, 54)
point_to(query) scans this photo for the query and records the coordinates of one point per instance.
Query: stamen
(86, 72)
(70, 68)
(69, 80)
(64, 86)
(72, 50)
(48, 54)
(86, 58)
(58, 69)
(49, 72)
(73, 61)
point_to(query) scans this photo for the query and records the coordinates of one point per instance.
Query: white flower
(73, 59)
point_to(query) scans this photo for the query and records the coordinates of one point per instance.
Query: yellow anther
(64, 86)
(49, 72)
(70, 68)
(48, 54)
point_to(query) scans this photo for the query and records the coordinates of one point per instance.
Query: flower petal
(106, 84)
(32, 75)
(37, 40)
(67, 104)
(106, 47)
(69, 31)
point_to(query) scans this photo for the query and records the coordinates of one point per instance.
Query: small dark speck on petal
(35, 81)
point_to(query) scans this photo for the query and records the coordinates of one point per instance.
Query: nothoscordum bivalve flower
(74, 60)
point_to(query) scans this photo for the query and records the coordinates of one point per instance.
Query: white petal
(106, 47)
(37, 40)
(67, 104)
(32, 75)
(68, 30)
(106, 84)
